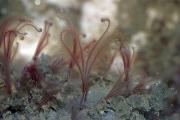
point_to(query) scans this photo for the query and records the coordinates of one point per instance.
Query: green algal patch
(144, 106)
(27, 103)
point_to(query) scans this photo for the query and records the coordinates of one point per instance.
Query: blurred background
(151, 26)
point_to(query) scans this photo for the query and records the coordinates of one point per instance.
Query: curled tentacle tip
(17, 44)
(25, 33)
(105, 19)
(22, 38)
(49, 35)
(22, 34)
(83, 35)
(40, 30)
(48, 22)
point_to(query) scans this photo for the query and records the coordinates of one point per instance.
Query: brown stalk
(84, 64)
(120, 87)
(9, 30)
(43, 40)
(32, 68)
